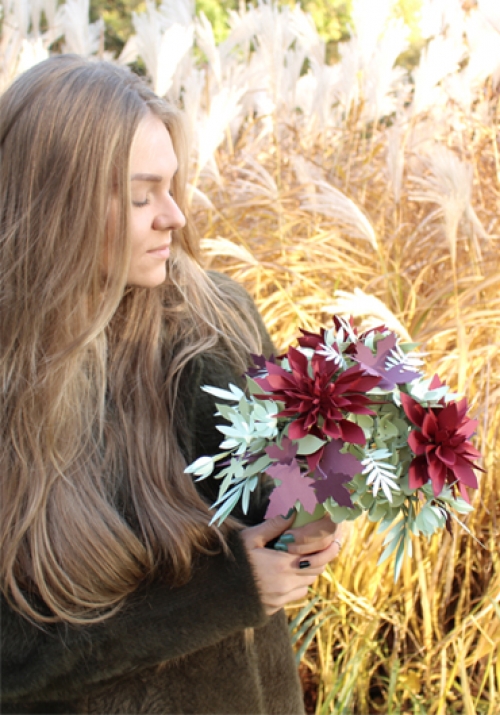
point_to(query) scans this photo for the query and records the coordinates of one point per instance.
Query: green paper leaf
(409, 347)
(229, 444)
(388, 551)
(399, 560)
(380, 511)
(249, 487)
(338, 514)
(395, 531)
(386, 429)
(427, 521)
(366, 500)
(230, 476)
(462, 506)
(223, 512)
(260, 465)
(226, 411)
(253, 387)
(309, 445)
(365, 422)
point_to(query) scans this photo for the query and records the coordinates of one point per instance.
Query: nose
(169, 218)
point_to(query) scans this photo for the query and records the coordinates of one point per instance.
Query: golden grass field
(400, 245)
(367, 189)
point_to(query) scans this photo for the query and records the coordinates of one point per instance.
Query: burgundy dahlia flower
(441, 445)
(319, 403)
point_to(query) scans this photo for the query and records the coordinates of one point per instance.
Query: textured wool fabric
(205, 647)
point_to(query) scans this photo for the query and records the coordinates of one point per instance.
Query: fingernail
(304, 564)
(286, 539)
(280, 547)
(287, 516)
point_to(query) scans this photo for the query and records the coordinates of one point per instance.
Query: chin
(148, 281)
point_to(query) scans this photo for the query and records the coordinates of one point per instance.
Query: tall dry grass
(393, 219)
(368, 189)
(430, 643)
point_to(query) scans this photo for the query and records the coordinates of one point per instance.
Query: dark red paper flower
(316, 340)
(319, 403)
(312, 340)
(443, 451)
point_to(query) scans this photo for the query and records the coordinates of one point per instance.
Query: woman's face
(154, 213)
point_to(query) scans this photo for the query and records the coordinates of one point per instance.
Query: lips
(160, 251)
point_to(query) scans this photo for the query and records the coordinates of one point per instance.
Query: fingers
(279, 576)
(311, 538)
(294, 580)
(258, 536)
(314, 530)
(284, 575)
(291, 587)
(297, 594)
(319, 560)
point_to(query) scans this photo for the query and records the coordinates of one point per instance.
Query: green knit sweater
(169, 650)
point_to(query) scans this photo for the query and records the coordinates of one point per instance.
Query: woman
(117, 597)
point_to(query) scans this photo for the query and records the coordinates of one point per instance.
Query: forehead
(152, 150)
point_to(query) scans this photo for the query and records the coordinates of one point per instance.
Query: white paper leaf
(222, 394)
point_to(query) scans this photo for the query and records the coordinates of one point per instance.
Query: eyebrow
(149, 177)
(146, 177)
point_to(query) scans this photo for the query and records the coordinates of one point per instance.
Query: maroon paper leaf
(335, 460)
(376, 364)
(294, 486)
(259, 369)
(334, 470)
(284, 454)
(333, 486)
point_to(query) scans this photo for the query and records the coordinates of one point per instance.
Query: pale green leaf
(399, 560)
(309, 444)
(253, 387)
(260, 465)
(223, 512)
(221, 394)
(202, 467)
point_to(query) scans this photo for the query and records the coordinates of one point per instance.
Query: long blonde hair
(93, 494)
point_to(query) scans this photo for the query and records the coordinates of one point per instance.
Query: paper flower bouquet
(345, 423)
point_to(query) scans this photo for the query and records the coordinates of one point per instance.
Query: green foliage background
(332, 18)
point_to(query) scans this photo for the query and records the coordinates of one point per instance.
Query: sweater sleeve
(157, 624)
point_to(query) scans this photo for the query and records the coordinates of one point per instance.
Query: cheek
(110, 239)
(139, 234)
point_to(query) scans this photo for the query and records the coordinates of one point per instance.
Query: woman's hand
(315, 536)
(284, 576)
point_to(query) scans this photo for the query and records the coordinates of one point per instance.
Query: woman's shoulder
(229, 287)
(238, 298)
